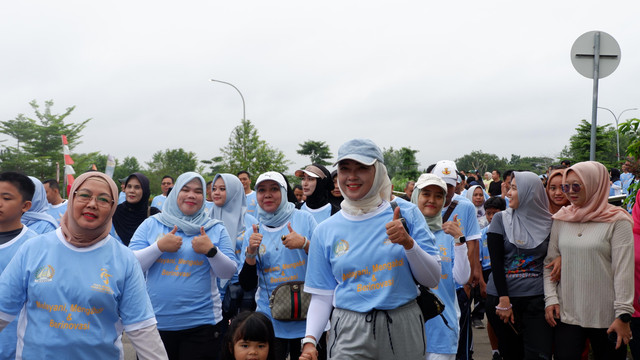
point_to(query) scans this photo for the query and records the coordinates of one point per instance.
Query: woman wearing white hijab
(230, 206)
(478, 196)
(275, 252)
(518, 239)
(364, 261)
(183, 252)
(37, 218)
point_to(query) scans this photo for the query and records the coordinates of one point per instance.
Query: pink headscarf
(81, 237)
(595, 178)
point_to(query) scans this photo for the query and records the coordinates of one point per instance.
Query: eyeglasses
(575, 187)
(85, 196)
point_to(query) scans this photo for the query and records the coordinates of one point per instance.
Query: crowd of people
(197, 272)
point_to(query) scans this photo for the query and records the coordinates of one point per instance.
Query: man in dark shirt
(494, 186)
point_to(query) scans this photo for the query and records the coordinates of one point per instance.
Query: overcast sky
(441, 77)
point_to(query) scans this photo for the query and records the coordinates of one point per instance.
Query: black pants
(465, 340)
(531, 337)
(634, 344)
(479, 308)
(292, 347)
(202, 342)
(570, 342)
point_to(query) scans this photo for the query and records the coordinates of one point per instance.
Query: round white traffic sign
(583, 54)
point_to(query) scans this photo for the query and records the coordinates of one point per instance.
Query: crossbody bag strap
(452, 206)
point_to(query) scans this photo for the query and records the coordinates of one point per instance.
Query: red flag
(64, 140)
(68, 160)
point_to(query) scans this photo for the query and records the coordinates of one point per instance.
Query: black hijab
(129, 216)
(334, 200)
(320, 196)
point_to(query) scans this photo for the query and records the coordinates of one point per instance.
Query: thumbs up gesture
(170, 242)
(292, 240)
(396, 232)
(254, 240)
(201, 243)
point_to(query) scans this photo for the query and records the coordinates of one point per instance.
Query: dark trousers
(465, 340)
(479, 308)
(530, 336)
(571, 339)
(202, 342)
(292, 347)
(634, 344)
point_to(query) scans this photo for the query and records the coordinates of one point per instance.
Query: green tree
(129, 165)
(631, 130)
(318, 151)
(85, 162)
(172, 162)
(401, 165)
(536, 164)
(483, 162)
(38, 140)
(246, 151)
(580, 144)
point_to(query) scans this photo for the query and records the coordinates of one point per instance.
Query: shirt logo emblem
(340, 248)
(104, 275)
(262, 249)
(44, 274)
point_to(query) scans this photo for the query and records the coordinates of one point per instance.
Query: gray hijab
(530, 224)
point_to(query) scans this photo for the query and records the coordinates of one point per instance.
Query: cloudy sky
(442, 77)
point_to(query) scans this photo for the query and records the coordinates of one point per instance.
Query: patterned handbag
(289, 302)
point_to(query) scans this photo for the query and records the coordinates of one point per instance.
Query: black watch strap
(212, 252)
(626, 318)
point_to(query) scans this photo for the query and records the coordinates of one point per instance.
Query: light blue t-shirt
(248, 228)
(626, 179)
(252, 204)
(320, 214)
(41, 227)
(158, 201)
(77, 300)
(276, 265)
(122, 197)
(57, 210)
(8, 337)
(441, 339)
(352, 258)
(182, 285)
(465, 215)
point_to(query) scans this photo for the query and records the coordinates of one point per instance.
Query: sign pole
(594, 105)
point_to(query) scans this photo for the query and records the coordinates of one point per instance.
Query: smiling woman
(97, 272)
(183, 253)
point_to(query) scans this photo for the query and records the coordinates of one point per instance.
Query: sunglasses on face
(573, 187)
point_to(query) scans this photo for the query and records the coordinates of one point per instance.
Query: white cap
(447, 171)
(430, 179)
(271, 175)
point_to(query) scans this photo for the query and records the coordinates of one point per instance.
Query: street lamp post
(238, 90)
(617, 131)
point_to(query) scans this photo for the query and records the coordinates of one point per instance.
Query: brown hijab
(595, 178)
(73, 233)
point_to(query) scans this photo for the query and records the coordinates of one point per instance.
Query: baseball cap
(312, 171)
(363, 151)
(272, 175)
(447, 171)
(430, 179)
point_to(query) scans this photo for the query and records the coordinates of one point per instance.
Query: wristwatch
(460, 240)
(625, 318)
(212, 252)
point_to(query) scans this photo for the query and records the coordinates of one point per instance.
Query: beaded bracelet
(504, 309)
